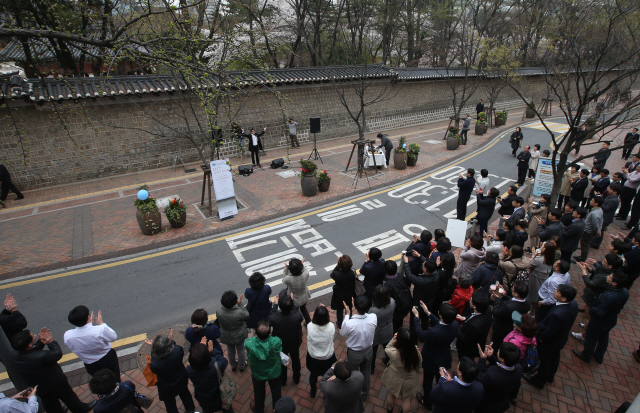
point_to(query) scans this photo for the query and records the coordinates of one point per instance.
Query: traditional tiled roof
(423, 73)
(41, 50)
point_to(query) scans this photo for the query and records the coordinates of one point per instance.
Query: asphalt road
(154, 291)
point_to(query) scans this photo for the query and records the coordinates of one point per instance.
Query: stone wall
(73, 142)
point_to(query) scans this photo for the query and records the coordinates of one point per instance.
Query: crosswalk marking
(553, 126)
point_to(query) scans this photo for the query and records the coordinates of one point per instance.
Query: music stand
(315, 152)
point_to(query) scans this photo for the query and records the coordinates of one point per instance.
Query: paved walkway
(90, 221)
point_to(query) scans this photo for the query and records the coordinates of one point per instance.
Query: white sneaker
(453, 347)
(578, 336)
(581, 325)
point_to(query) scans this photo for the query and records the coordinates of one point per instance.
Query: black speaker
(245, 170)
(314, 125)
(277, 163)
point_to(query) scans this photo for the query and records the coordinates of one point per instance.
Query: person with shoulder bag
(344, 289)
(206, 369)
(112, 396)
(231, 318)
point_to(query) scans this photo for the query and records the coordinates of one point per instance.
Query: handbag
(227, 387)
(141, 399)
(152, 378)
(359, 287)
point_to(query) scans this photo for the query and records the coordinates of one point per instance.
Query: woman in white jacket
(320, 352)
(533, 162)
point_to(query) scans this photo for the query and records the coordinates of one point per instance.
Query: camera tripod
(315, 152)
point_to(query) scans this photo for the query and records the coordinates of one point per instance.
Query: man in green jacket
(595, 284)
(263, 354)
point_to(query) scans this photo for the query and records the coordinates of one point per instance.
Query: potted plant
(324, 180)
(148, 216)
(412, 154)
(531, 110)
(453, 138)
(501, 117)
(400, 154)
(481, 123)
(308, 179)
(176, 213)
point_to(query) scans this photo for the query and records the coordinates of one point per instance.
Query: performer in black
(6, 186)
(255, 145)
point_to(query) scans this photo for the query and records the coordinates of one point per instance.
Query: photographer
(14, 404)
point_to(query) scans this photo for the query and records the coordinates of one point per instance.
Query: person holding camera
(15, 403)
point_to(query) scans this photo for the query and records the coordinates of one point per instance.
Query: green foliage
(591, 122)
(502, 115)
(308, 168)
(401, 148)
(323, 176)
(148, 205)
(482, 119)
(174, 210)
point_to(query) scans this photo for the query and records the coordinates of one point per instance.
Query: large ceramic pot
(499, 122)
(309, 185)
(452, 143)
(400, 161)
(530, 113)
(481, 129)
(150, 223)
(324, 186)
(412, 161)
(178, 223)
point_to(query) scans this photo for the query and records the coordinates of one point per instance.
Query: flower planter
(150, 223)
(530, 113)
(499, 122)
(324, 186)
(309, 185)
(481, 129)
(412, 161)
(178, 223)
(452, 143)
(399, 161)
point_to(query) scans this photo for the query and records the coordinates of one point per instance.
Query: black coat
(374, 275)
(39, 367)
(172, 375)
(258, 305)
(608, 305)
(4, 174)
(453, 397)
(571, 236)
(486, 206)
(566, 219)
(554, 329)
(288, 327)
(258, 135)
(506, 205)
(423, 249)
(555, 228)
(632, 265)
(474, 331)
(523, 160)
(123, 398)
(480, 107)
(600, 186)
(344, 288)
(609, 208)
(465, 186)
(485, 275)
(577, 189)
(515, 139)
(498, 384)
(12, 323)
(436, 351)
(446, 286)
(601, 157)
(386, 143)
(425, 286)
(502, 322)
(395, 285)
(206, 387)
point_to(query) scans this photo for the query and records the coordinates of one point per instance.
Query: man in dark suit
(6, 186)
(630, 141)
(287, 324)
(578, 186)
(12, 322)
(465, 187)
(373, 271)
(518, 211)
(600, 184)
(553, 335)
(505, 306)
(425, 286)
(635, 161)
(39, 367)
(255, 145)
(479, 107)
(572, 234)
(604, 317)
(553, 228)
(523, 164)
(500, 378)
(569, 209)
(476, 328)
(600, 158)
(506, 204)
(342, 388)
(436, 352)
(486, 206)
(632, 260)
(458, 394)
(609, 208)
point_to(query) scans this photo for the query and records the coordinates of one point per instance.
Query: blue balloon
(404, 145)
(143, 194)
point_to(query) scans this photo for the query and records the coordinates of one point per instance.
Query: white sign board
(456, 232)
(543, 183)
(223, 188)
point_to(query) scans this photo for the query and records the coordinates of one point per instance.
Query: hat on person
(285, 405)
(517, 318)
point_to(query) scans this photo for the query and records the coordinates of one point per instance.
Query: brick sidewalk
(578, 387)
(90, 221)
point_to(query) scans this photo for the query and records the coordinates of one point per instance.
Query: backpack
(403, 298)
(530, 362)
(521, 275)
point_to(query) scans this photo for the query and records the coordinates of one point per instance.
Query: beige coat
(533, 162)
(400, 383)
(297, 285)
(565, 189)
(510, 269)
(533, 222)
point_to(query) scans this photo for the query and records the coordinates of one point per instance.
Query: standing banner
(222, 181)
(456, 232)
(543, 183)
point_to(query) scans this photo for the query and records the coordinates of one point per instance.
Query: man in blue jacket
(458, 394)
(604, 317)
(387, 144)
(465, 187)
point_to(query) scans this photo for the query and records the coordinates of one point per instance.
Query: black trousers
(5, 187)
(255, 155)
(109, 362)
(387, 155)
(566, 256)
(185, 396)
(626, 198)
(549, 362)
(463, 135)
(260, 390)
(427, 384)
(483, 224)
(562, 201)
(522, 174)
(596, 340)
(626, 152)
(294, 358)
(635, 211)
(461, 208)
(61, 390)
(532, 173)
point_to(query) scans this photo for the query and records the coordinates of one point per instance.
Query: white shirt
(320, 340)
(359, 330)
(89, 342)
(255, 140)
(457, 380)
(8, 405)
(483, 184)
